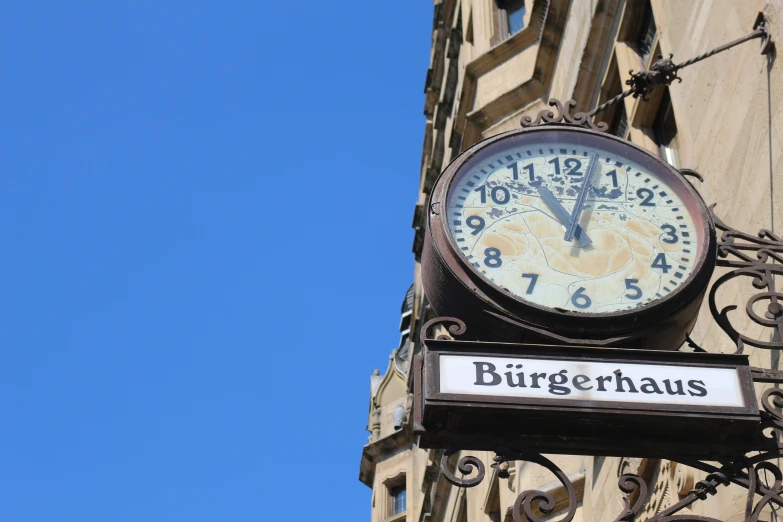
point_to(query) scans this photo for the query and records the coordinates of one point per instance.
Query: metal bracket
(734, 251)
(664, 70)
(764, 375)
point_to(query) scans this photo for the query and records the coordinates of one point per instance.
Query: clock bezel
(488, 292)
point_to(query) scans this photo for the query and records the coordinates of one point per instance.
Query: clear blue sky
(206, 213)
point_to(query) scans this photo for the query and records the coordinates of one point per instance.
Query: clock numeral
(646, 195)
(556, 163)
(529, 169)
(580, 299)
(515, 171)
(495, 194)
(483, 191)
(500, 190)
(533, 278)
(671, 234)
(660, 262)
(493, 258)
(572, 166)
(476, 223)
(630, 284)
(613, 174)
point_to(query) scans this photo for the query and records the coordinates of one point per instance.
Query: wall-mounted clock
(566, 231)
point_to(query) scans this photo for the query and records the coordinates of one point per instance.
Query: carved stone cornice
(547, 22)
(380, 449)
(597, 52)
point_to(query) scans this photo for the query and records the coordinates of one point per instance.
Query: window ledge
(398, 517)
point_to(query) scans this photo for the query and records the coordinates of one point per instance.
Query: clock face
(574, 222)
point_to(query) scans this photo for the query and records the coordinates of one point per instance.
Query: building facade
(493, 61)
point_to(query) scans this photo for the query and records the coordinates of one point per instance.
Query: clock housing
(496, 304)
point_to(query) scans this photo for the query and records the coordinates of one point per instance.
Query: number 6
(580, 299)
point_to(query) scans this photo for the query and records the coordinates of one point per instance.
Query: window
(462, 515)
(509, 19)
(397, 499)
(614, 116)
(515, 15)
(405, 320)
(646, 36)
(619, 126)
(492, 500)
(665, 130)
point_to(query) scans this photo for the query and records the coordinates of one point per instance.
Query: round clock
(559, 232)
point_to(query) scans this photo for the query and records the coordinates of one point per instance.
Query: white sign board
(589, 380)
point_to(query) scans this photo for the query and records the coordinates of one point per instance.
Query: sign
(590, 381)
(590, 401)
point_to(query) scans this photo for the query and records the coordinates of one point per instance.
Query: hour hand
(562, 214)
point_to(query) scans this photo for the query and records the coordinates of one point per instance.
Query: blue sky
(206, 238)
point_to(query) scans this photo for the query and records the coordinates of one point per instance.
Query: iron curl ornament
(771, 417)
(531, 505)
(629, 484)
(564, 117)
(465, 465)
(457, 328)
(537, 506)
(662, 72)
(531, 500)
(757, 257)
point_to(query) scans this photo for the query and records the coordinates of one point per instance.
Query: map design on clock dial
(510, 213)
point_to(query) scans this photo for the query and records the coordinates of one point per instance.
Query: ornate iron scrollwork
(466, 465)
(771, 417)
(533, 499)
(528, 502)
(735, 250)
(628, 484)
(662, 72)
(744, 471)
(563, 117)
(456, 329)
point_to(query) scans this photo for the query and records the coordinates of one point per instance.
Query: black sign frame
(576, 426)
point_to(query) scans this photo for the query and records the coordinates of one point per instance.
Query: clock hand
(580, 199)
(561, 213)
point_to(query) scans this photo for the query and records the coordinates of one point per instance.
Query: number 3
(671, 234)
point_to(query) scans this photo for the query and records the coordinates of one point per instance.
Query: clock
(560, 233)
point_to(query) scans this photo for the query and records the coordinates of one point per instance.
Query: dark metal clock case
(454, 288)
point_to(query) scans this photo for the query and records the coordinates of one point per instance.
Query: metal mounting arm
(664, 71)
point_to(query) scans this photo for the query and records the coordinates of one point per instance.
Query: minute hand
(580, 199)
(561, 213)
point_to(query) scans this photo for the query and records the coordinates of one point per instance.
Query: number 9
(476, 223)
